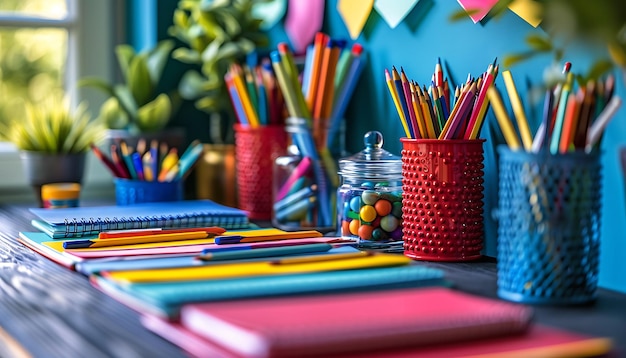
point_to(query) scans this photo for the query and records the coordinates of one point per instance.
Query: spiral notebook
(91, 220)
(350, 322)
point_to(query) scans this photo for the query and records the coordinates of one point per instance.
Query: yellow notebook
(314, 263)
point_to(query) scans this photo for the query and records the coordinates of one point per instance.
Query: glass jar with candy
(369, 198)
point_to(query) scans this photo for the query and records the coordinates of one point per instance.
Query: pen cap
(60, 195)
(369, 199)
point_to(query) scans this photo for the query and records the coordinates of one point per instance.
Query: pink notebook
(350, 322)
(537, 341)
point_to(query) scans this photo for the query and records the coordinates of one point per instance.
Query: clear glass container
(369, 198)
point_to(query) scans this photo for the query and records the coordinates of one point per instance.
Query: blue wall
(415, 45)
(427, 34)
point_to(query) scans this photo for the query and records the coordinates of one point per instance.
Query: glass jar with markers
(369, 198)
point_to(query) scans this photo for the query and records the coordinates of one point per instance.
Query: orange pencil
(326, 81)
(571, 120)
(319, 45)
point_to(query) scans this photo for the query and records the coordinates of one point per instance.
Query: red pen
(116, 234)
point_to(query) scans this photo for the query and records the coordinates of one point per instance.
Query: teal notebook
(165, 299)
(91, 220)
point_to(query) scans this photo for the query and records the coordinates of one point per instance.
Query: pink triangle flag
(304, 20)
(478, 8)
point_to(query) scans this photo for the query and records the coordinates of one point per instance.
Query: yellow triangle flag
(354, 14)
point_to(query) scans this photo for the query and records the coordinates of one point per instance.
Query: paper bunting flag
(354, 14)
(270, 11)
(394, 11)
(529, 10)
(304, 20)
(478, 9)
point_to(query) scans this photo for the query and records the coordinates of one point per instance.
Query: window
(47, 44)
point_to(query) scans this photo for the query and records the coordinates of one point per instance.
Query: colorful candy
(371, 211)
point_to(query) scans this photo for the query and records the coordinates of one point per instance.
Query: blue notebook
(91, 220)
(165, 299)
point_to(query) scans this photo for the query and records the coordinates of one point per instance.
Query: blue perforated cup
(129, 192)
(549, 213)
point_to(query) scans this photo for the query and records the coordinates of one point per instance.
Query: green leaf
(539, 43)
(462, 14)
(599, 68)
(210, 53)
(139, 80)
(125, 54)
(96, 83)
(157, 58)
(126, 100)
(154, 115)
(186, 55)
(112, 115)
(191, 85)
(510, 60)
(230, 51)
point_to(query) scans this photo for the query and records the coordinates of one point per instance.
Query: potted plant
(216, 34)
(135, 108)
(53, 140)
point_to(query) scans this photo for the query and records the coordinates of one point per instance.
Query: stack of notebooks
(203, 277)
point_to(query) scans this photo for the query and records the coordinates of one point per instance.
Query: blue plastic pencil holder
(128, 192)
(549, 213)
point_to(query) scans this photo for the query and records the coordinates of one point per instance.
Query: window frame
(94, 29)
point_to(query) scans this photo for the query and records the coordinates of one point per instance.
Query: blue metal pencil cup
(549, 212)
(128, 192)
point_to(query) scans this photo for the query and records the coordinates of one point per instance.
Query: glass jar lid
(373, 162)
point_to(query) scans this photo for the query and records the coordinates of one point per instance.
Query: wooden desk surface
(53, 312)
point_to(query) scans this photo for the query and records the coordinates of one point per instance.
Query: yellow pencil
(396, 101)
(518, 110)
(169, 162)
(430, 129)
(503, 118)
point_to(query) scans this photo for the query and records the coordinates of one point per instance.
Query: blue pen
(138, 165)
(264, 252)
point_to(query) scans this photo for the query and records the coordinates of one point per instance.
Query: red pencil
(106, 161)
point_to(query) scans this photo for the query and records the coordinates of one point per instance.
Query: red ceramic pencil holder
(255, 152)
(442, 207)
